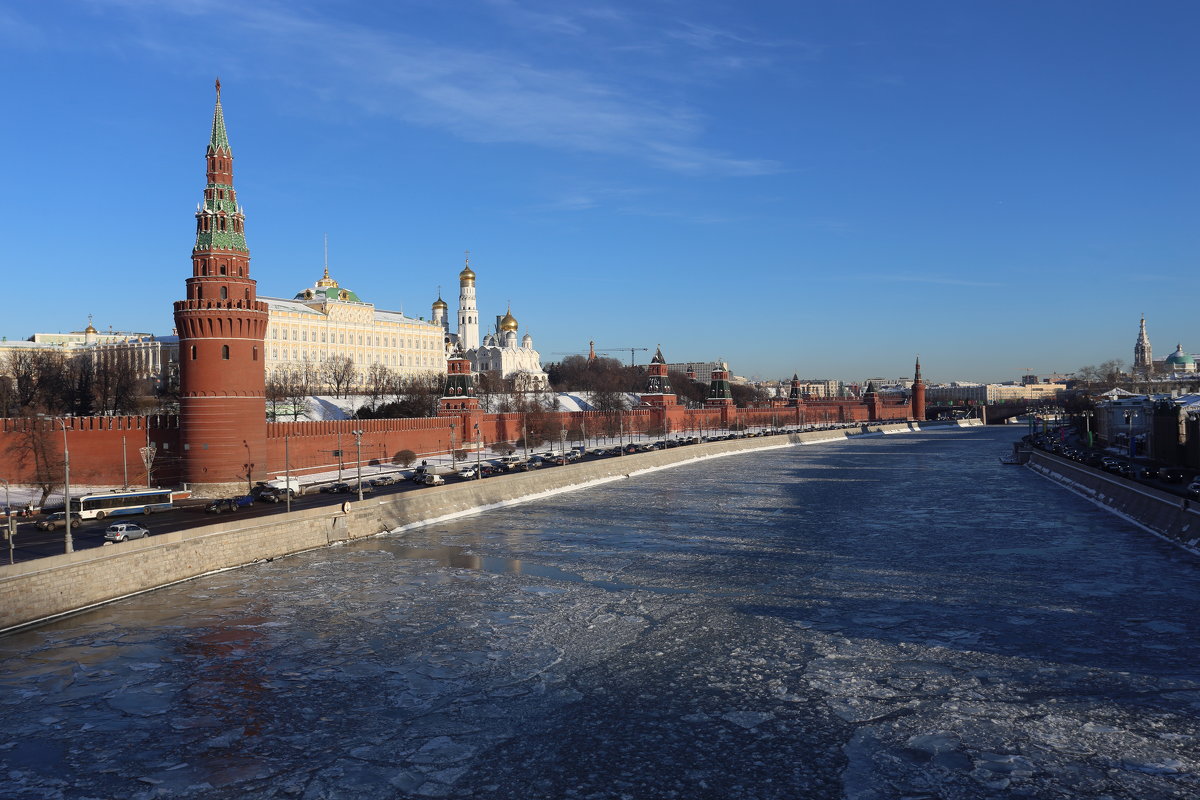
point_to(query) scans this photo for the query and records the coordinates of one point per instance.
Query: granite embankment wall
(1174, 518)
(39, 590)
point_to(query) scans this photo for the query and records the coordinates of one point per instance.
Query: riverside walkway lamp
(69, 542)
(1129, 417)
(358, 460)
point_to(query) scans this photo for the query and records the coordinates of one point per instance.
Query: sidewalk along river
(892, 617)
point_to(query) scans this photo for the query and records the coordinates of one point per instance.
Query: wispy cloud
(931, 279)
(483, 96)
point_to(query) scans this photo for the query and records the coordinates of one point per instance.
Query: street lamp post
(1087, 421)
(287, 471)
(358, 460)
(70, 543)
(453, 461)
(1129, 415)
(125, 464)
(9, 522)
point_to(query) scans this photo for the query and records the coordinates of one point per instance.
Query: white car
(124, 531)
(430, 479)
(468, 473)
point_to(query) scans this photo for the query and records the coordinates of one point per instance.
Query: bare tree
(380, 381)
(1111, 371)
(276, 392)
(340, 374)
(38, 450)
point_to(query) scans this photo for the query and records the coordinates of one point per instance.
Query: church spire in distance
(1143, 356)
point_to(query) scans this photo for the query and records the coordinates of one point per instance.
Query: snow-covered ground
(324, 407)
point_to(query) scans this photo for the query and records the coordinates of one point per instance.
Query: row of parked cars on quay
(1118, 466)
(426, 475)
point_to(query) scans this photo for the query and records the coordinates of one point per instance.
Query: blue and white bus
(99, 505)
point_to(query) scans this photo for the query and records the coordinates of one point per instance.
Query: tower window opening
(193, 352)
(224, 293)
(256, 352)
(222, 269)
(225, 352)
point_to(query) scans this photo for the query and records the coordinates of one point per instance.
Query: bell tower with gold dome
(468, 314)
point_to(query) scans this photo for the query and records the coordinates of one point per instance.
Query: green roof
(223, 240)
(219, 137)
(329, 293)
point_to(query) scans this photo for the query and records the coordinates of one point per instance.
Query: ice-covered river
(900, 617)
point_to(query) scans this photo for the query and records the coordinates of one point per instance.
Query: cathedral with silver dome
(500, 350)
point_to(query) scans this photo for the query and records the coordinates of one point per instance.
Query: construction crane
(632, 351)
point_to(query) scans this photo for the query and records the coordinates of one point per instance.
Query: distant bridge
(995, 414)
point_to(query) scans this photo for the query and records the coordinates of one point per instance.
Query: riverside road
(897, 617)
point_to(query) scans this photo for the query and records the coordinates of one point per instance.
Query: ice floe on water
(892, 618)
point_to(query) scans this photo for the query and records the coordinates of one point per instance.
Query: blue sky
(821, 187)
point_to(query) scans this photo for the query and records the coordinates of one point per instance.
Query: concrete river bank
(897, 617)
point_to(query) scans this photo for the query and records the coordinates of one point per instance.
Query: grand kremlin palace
(329, 321)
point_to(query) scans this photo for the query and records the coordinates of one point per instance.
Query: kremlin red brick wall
(96, 442)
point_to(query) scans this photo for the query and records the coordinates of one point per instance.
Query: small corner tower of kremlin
(658, 384)
(222, 327)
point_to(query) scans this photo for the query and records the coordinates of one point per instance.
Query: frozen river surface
(900, 617)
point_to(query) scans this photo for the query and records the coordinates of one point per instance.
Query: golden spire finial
(218, 89)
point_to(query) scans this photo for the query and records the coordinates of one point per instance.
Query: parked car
(431, 479)
(124, 531)
(1193, 490)
(1171, 475)
(336, 488)
(468, 473)
(1150, 472)
(55, 521)
(385, 480)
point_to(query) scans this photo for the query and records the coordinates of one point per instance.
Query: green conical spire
(219, 137)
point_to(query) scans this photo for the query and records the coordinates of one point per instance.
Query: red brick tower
(459, 395)
(658, 385)
(918, 395)
(795, 395)
(222, 326)
(720, 393)
(873, 402)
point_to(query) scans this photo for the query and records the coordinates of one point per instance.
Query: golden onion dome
(467, 276)
(440, 303)
(90, 329)
(508, 322)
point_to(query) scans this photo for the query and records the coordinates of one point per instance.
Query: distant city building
(1178, 362)
(700, 371)
(991, 393)
(149, 358)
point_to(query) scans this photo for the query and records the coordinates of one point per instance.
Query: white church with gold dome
(499, 351)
